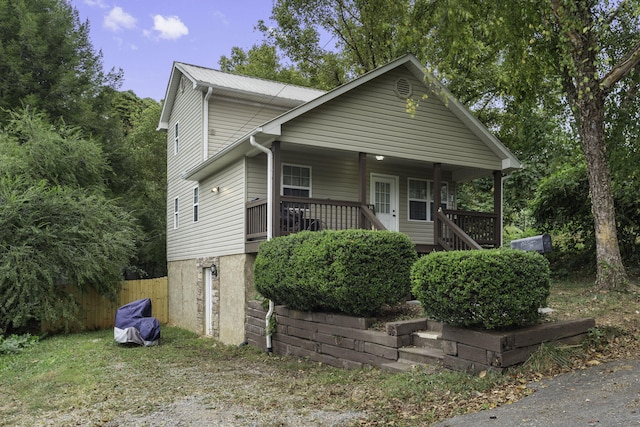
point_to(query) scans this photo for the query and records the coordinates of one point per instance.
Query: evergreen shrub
(354, 272)
(492, 289)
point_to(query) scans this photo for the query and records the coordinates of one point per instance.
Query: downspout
(205, 123)
(269, 153)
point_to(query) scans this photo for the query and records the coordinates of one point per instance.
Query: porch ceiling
(458, 173)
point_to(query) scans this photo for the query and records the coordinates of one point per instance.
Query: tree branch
(622, 68)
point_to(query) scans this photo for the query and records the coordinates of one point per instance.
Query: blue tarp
(135, 324)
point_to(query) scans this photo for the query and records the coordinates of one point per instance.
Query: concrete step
(417, 355)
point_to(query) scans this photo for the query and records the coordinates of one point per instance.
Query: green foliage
(47, 62)
(489, 288)
(562, 206)
(146, 192)
(57, 226)
(261, 61)
(14, 344)
(353, 271)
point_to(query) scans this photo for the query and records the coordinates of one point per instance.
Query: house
(249, 157)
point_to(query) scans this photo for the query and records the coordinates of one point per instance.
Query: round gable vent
(403, 88)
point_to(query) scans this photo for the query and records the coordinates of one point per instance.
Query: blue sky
(145, 37)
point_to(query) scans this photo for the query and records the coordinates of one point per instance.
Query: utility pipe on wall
(269, 153)
(205, 123)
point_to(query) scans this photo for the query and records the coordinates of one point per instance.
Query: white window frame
(296, 187)
(425, 201)
(176, 133)
(176, 213)
(196, 203)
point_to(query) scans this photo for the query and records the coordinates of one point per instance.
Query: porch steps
(425, 353)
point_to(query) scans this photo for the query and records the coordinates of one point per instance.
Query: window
(176, 146)
(176, 211)
(418, 199)
(421, 199)
(196, 203)
(296, 180)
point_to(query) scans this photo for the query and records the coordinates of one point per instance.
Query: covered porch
(452, 229)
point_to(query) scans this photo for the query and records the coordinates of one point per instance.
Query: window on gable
(196, 203)
(418, 199)
(176, 145)
(296, 180)
(176, 212)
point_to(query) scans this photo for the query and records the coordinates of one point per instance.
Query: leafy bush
(16, 343)
(352, 271)
(493, 289)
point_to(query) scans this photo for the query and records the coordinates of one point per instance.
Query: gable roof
(233, 86)
(269, 131)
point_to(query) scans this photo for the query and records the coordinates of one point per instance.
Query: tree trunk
(610, 269)
(586, 95)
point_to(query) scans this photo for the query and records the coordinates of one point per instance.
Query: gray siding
(187, 110)
(373, 119)
(257, 177)
(221, 220)
(221, 230)
(228, 121)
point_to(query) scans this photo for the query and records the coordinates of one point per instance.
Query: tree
(558, 59)
(261, 61)
(57, 227)
(363, 35)
(147, 195)
(47, 62)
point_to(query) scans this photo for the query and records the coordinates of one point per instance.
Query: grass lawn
(88, 379)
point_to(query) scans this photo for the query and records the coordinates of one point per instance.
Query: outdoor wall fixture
(379, 157)
(215, 190)
(214, 270)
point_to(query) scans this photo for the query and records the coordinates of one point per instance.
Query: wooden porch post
(362, 183)
(277, 172)
(497, 207)
(437, 200)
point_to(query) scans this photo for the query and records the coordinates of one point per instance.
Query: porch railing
(482, 228)
(301, 213)
(451, 237)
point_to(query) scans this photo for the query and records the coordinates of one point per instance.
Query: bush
(494, 289)
(14, 344)
(352, 271)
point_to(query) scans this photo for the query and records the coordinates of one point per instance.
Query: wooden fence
(98, 312)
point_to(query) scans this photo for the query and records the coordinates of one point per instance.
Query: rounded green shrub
(354, 272)
(493, 289)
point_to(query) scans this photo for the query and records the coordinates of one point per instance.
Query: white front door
(208, 303)
(384, 196)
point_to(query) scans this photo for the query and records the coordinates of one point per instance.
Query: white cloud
(118, 19)
(169, 28)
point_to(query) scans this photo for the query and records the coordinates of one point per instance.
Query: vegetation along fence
(98, 312)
